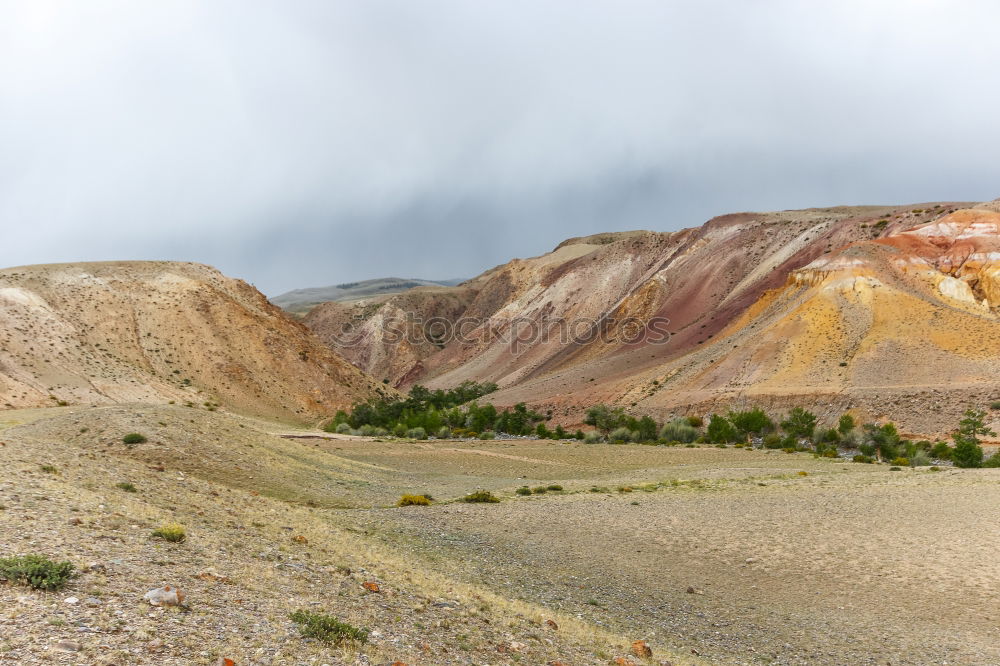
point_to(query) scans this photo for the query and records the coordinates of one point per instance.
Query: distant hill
(890, 310)
(301, 301)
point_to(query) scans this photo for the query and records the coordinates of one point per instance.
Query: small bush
(327, 628)
(895, 469)
(620, 435)
(49, 469)
(489, 434)
(695, 421)
(901, 462)
(592, 437)
(127, 487)
(134, 438)
(862, 458)
(523, 490)
(444, 433)
(679, 430)
(920, 459)
(342, 429)
(37, 571)
(416, 433)
(555, 487)
(993, 460)
(941, 451)
(172, 532)
(539, 490)
(481, 497)
(413, 500)
(995, 405)
(367, 430)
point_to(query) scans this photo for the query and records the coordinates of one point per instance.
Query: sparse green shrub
(620, 436)
(862, 458)
(934, 468)
(523, 490)
(902, 462)
(172, 532)
(487, 434)
(695, 421)
(993, 460)
(327, 628)
(413, 500)
(920, 459)
(539, 490)
(367, 430)
(773, 441)
(37, 571)
(444, 433)
(127, 487)
(134, 438)
(399, 430)
(416, 433)
(895, 468)
(555, 487)
(679, 430)
(592, 437)
(578, 435)
(49, 469)
(481, 497)
(342, 429)
(995, 405)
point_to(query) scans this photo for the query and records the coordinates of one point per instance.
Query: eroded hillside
(101, 333)
(883, 309)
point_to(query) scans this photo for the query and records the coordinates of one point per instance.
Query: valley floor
(710, 555)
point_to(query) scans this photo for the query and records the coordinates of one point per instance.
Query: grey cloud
(311, 142)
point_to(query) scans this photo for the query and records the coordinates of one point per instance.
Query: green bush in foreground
(481, 497)
(413, 500)
(172, 532)
(134, 438)
(327, 628)
(37, 571)
(523, 490)
(127, 487)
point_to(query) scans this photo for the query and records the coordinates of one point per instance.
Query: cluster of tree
(441, 413)
(799, 431)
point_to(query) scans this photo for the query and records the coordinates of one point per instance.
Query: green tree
(605, 418)
(799, 423)
(968, 452)
(846, 424)
(721, 431)
(884, 439)
(646, 427)
(752, 422)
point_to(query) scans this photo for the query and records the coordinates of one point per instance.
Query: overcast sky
(299, 143)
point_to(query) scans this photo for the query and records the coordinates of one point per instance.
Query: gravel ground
(872, 568)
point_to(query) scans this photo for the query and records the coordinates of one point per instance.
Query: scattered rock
(213, 576)
(93, 602)
(551, 624)
(67, 646)
(71, 600)
(164, 596)
(641, 649)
